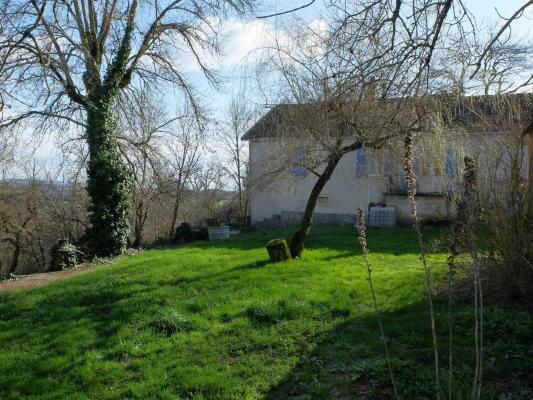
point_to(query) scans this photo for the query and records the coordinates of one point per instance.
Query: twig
(361, 227)
(451, 272)
(469, 182)
(411, 190)
(287, 11)
(518, 13)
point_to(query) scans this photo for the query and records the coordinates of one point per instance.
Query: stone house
(283, 158)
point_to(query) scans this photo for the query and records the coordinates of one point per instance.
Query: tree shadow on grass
(76, 305)
(223, 275)
(349, 363)
(73, 321)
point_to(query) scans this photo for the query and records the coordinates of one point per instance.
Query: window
(450, 165)
(360, 160)
(367, 163)
(450, 170)
(298, 159)
(322, 201)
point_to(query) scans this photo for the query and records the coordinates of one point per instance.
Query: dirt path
(41, 279)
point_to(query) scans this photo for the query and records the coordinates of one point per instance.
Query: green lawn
(217, 321)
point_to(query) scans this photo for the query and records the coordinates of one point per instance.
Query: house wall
(286, 194)
(429, 208)
(281, 199)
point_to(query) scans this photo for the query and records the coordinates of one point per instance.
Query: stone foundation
(293, 218)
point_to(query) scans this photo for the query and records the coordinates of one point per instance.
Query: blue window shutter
(298, 157)
(360, 159)
(451, 170)
(450, 165)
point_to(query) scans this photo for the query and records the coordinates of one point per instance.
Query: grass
(217, 321)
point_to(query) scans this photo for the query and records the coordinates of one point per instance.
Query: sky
(241, 38)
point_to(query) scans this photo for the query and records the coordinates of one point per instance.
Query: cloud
(243, 43)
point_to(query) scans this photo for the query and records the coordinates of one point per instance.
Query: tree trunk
(239, 180)
(108, 181)
(529, 216)
(16, 255)
(177, 203)
(139, 224)
(530, 176)
(239, 188)
(300, 236)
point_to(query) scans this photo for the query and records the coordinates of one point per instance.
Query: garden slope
(217, 321)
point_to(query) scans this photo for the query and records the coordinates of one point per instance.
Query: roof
(473, 113)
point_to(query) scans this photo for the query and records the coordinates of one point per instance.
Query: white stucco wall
(429, 208)
(345, 191)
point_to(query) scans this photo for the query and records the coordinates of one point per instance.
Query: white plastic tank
(382, 217)
(218, 232)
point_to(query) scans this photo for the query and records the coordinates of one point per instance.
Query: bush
(278, 250)
(200, 234)
(507, 229)
(183, 233)
(64, 255)
(507, 271)
(493, 226)
(8, 277)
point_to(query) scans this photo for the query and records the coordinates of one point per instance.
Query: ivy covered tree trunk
(109, 180)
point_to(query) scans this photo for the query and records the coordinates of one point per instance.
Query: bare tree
(16, 231)
(239, 116)
(36, 209)
(70, 61)
(184, 151)
(505, 63)
(144, 125)
(208, 185)
(420, 28)
(397, 43)
(387, 48)
(340, 83)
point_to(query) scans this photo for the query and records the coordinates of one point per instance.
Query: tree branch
(287, 11)
(515, 16)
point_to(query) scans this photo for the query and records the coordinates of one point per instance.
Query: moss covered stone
(278, 250)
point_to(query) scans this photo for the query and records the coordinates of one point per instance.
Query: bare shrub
(508, 261)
